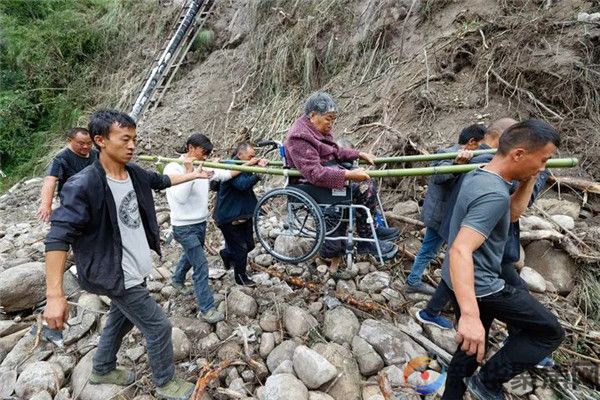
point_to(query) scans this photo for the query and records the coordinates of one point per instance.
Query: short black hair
(102, 120)
(532, 134)
(199, 140)
(243, 146)
(71, 133)
(475, 131)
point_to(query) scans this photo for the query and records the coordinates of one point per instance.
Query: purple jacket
(307, 150)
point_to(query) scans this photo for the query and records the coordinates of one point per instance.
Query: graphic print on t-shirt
(128, 211)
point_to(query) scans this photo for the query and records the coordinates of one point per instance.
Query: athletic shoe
(479, 391)
(387, 233)
(175, 389)
(436, 320)
(212, 316)
(546, 363)
(388, 250)
(118, 376)
(420, 287)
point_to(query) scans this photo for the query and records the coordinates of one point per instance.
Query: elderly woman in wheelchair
(311, 148)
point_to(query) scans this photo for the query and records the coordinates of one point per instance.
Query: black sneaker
(244, 280)
(226, 260)
(387, 233)
(388, 250)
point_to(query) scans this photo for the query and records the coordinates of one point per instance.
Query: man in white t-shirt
(189, 211)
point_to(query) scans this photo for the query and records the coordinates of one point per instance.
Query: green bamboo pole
(424, 171)
(398, 159)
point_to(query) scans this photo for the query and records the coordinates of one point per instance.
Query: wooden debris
(385, 386)
(206, 378)
(402, 218)
(291, 280)
(576, 183)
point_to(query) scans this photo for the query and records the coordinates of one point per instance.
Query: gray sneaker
(420, 287)
(181, 287)
(212, 316)
(175, 389)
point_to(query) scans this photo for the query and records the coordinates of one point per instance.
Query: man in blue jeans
(478, 233)
(434, 206)
(107, 216)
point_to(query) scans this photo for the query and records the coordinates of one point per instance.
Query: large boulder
(534, 280)
(559, 207)
(393, 345)
(181, 345)
(298, 321)
(347, 385)
(285, 351)
(23, 286)
(39, 377)
(239, 303)
(285, 387)
(374, 282)
(340, 325)
(369, 362)
(312, 368)
(8, 380)
(553, 264)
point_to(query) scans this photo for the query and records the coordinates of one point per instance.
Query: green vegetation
(55, 58)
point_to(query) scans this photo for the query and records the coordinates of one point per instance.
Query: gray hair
(321, 103)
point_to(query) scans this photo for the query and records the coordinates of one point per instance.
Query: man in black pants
(477, 236)
(235, 207)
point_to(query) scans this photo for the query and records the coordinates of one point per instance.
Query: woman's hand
(356, 175)
(368, 157)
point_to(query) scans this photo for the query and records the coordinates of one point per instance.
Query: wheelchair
(293, 222)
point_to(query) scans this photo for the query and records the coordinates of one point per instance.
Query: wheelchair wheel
(289, 225)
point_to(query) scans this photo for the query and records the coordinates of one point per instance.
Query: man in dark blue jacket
(107, 216)
(235, 207)
(434, 206)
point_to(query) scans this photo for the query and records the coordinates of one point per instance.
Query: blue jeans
(432, 242)
(191, 238)
(137, 308)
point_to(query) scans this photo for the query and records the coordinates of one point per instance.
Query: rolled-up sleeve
(306, 158)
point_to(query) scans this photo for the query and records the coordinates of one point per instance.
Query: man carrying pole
(107, 215)
(473, 269)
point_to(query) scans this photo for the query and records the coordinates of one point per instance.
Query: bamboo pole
(396, 159)
(424, 171)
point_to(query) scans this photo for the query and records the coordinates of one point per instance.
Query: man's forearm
(463, 281)
(55, 269)
(48, 191)
(182, 178)
(520, 198)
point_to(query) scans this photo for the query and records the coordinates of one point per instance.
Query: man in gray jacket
(434, 206)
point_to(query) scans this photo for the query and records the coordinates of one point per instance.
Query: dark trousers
(239, 241)
(137, 308)
(539, 334)
(364, 193)
(443, 293)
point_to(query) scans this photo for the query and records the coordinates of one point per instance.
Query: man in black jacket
(107, 216)
(235, 207)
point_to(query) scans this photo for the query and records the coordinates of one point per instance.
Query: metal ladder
(191, 19)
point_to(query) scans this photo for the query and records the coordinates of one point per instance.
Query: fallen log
(583, 185)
